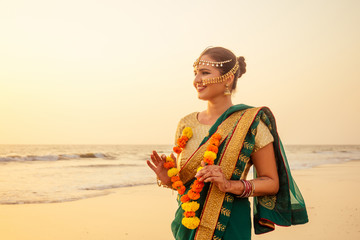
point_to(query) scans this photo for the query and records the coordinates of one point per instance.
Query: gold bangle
(252, 189)
(160, 183)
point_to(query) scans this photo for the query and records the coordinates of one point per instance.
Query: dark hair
(219, 54)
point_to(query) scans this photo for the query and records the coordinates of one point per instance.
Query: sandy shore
(330, 192)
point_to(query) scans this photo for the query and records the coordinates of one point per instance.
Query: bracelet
(253, 188)
(249, 188)
(160, 183)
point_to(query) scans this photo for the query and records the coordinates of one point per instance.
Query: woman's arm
(266, 183)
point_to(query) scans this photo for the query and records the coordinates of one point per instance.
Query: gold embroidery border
(188, 171)
(267, 201)
(215, 198)
(266, 223)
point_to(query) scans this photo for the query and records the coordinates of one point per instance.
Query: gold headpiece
(222, 78)
(219, 79)
(208, 63)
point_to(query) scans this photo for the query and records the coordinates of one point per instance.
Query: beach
(145, 212)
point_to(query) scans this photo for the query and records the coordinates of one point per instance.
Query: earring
(227, 91)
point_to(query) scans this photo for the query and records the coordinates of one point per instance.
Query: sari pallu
(223, 215)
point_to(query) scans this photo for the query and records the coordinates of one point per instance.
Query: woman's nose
(197, 79)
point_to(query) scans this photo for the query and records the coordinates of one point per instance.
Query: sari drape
(223, 215)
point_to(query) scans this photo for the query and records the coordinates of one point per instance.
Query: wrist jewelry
(249, 188)
(161, 184)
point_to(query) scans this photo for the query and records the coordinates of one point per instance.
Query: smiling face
(203, 72)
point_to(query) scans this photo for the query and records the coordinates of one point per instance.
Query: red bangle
(248, 189)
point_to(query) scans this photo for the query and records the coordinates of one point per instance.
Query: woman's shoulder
(190, 118)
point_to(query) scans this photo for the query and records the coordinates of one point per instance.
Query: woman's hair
(219, 54)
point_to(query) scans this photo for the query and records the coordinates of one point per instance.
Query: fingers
(154, 159)
(151, 165)
(209, 171)
(158, 158)
(163, 157)
(214, 179)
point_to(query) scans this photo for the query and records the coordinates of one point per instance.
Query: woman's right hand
(157, 165)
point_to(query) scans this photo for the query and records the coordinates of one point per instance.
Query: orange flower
(197, 186)
(169, 165)
(216, 136)
(214, 141)
(189, 214)
(175, 178)
(197, 189)
(184, 198)
(177, 184)
(212, 148)
(210, 155)
(181, 142)
(177, 150)
(193, 195)
(209, 161)
(197, 182)
(181, 190)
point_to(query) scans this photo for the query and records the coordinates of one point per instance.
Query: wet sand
(331, 194)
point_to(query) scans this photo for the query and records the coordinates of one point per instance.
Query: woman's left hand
(214, 174)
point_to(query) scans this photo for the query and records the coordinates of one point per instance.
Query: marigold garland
(175, 178)
(169, 165)
(212, 148)
(190, 222)
(189, 204)
(172, 172)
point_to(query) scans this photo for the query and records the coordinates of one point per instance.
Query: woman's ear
(230, 80)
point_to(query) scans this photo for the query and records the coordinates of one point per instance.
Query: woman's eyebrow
(202, 69)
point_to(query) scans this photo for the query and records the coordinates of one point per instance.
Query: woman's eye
(205, 73)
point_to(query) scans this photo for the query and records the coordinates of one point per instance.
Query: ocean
(59, 173)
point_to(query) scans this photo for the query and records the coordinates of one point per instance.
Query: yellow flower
(172, 172)
(190, 206)
(210, 155)
(169, 159)
(191, 223)
(199, 168)
(187, 132)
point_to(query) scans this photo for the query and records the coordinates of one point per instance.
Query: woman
(226, 140)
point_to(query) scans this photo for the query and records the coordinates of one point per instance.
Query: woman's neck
(215, 109)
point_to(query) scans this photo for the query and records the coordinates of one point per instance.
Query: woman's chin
(202, 96)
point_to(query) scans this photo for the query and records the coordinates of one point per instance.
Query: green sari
(223, 215)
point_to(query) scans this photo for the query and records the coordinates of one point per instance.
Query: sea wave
(55, 157)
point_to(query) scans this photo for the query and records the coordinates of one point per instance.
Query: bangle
(249, 188)
(243, 193)
(160, 183)
(252, 188)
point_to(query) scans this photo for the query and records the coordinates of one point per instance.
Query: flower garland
(189, 203)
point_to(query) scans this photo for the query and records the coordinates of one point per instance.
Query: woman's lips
(200, 88)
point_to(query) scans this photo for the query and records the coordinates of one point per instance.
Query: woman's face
(203, 72)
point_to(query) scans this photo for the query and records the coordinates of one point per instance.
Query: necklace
(188, 200)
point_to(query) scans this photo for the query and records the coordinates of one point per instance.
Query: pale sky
(120, 72)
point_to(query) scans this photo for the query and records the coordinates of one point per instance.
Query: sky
(120, 72)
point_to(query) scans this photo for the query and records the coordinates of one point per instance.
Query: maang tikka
(219, 79)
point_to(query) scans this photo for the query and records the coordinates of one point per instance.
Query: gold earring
(227, 91)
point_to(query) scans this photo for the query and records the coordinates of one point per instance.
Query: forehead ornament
(210, 63)
(219, 79)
